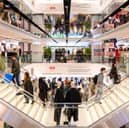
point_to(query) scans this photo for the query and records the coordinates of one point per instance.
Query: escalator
(112, 113)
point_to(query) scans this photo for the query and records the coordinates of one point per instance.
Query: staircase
(112, 113)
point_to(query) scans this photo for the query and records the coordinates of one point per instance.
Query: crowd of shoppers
(66, 92)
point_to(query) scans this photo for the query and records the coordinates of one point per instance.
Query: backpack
(95, 78)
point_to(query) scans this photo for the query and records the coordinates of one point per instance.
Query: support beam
(67, 6)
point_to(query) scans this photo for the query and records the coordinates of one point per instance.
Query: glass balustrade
(12, 17)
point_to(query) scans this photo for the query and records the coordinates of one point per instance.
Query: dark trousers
(28, 96)
(72, 112)
(57, 115)
(16, 79)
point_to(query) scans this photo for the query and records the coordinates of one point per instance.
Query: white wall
(37, 52)
(96, 56)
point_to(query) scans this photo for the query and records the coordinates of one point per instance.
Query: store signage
(68, 69)
(52, 8)
(52, 67)
(98, 52)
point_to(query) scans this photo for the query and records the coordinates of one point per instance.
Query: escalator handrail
(105, 89)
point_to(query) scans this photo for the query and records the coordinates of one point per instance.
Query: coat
(73, 96)
(15, 67)
(59, 97)
(43, 88)
(28, 86)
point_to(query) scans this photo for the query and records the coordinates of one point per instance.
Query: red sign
(52, 8)
(52, 67)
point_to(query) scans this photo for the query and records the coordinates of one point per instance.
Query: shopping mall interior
(64, 63)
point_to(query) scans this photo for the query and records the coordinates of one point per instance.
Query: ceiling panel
(77, 6)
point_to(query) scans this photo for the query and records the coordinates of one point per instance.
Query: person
(99, 85)
(28, 87)
(59, 98)
(72, 99)
(15, 69)
(92, 86)
(108, 81)
(114, 72)
(67, 84)
(43, 88)
(85, 85)
(2, 64)
(53, 86)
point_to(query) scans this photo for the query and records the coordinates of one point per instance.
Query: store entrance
(70, 54)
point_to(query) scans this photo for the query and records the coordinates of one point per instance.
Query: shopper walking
(91, 86)
(100, 84)
(28, 87)
(58, 102)
(15, 69)
(114, 73)
(43, 88)
(72, 99)
(85, 85)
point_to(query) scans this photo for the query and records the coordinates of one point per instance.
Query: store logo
(52, 67)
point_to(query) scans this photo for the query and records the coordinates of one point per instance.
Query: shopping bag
(8, 77)
(65, 112)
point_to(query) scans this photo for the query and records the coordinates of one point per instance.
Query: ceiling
(77, 6)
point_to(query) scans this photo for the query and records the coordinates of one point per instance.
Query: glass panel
(14, 18)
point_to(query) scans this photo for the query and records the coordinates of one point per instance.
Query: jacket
(59, 97)
(73, 96)
(43, 88)
(28, 86)
(100, 79)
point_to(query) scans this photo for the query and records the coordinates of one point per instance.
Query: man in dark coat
(73, 99)
(43, 88)
(114, 72)
(15, 67)
(59, 98)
